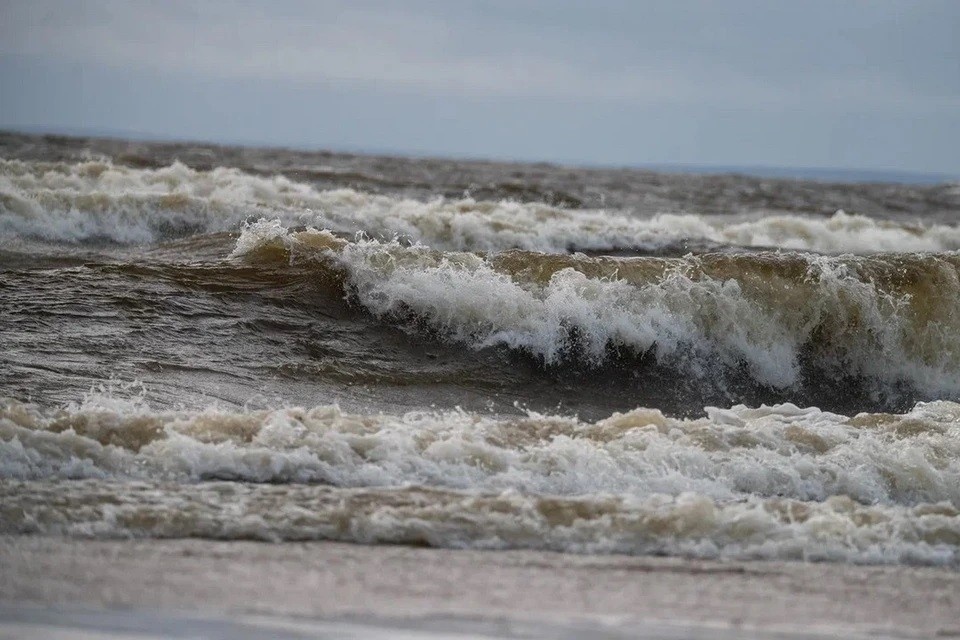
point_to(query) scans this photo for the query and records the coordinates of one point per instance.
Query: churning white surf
(99, 200)
(730, 454)
(771, 482)
(892, 319)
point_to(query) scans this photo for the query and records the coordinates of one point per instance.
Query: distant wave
(891, 318)
(740, 482)
(98, 200)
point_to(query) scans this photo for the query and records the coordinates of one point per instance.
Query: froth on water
(771, 482)
(470, 354)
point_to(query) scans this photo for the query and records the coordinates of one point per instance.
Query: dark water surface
(453, 330)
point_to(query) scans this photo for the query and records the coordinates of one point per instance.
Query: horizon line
(775, 172)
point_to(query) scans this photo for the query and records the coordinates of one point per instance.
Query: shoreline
(453, 593)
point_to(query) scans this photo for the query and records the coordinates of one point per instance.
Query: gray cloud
(813, 53)
(831, 57)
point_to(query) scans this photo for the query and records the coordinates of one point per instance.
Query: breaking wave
(385, 300)
(98, 200)
(769, 482)
(777, 317)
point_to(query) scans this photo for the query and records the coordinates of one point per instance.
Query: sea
(222, 342)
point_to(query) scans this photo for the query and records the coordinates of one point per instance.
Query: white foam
(687, 312)
(731, 454)
(100, 200)
(97, 199)
(770, 482)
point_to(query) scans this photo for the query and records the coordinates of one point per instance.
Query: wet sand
(72, 588)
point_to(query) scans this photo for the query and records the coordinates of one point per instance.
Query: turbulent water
(281, 345)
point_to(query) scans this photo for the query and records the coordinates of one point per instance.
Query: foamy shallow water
(774, 482)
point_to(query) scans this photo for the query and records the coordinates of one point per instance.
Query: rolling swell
(883, 325)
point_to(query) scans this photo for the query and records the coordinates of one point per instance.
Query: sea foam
(892, 319)
(730, 454)
(777, 482)
(99, 200)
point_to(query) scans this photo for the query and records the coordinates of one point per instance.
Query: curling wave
(779, 317)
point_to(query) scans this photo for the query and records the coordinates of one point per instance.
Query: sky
(865, 84)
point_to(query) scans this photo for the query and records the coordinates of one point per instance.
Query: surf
(777, 317)
(98, 200)
(778, 482)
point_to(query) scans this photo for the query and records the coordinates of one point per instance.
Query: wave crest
(892, 319)
(99, 200)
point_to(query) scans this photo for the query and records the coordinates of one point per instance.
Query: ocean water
(240, 343)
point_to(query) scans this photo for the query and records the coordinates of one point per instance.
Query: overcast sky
(832, 83)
